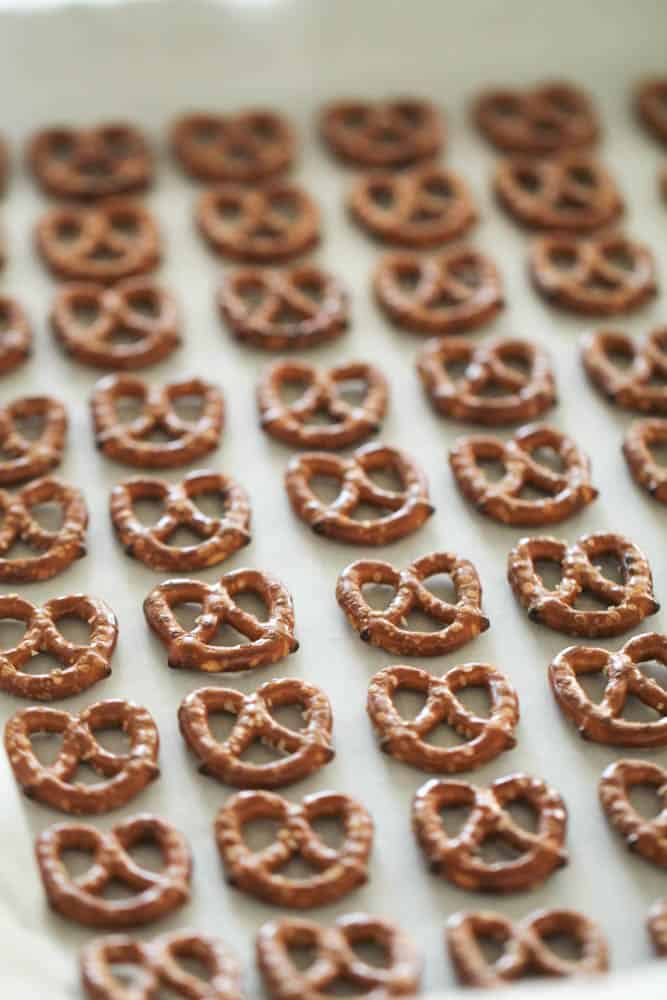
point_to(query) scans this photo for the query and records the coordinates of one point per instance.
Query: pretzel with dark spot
(641, 385)
(651, 104)
(390, 133)
(647, 837)
(27, 457)
(15, 334)
(657, 926)
(645, 469)
(547, 118)
(243, 148)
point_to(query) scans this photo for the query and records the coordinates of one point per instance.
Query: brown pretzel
(566, 491)
(336, 959)
(132, 325)
(115, 238)
(652, 106)
(348, 423)
(388, 629)
(301, 752)
(159, 964)
(425, 207)
(270, 639)
(130, 442)
(602, 721)
(657, 926)
(600, 276)
(123, 775)
(647, 837)
(642, 385)
(55, 550)
(242, 148)
(458, 859)
(526, 950)
(628, 603)
(336, 870)
(488, 366)
(82, 899)
(25, 458)
(547, 118)
(265, 225)
(15, 334)
(649, 473)
(107, 159)
(391, 133)
(408, 507)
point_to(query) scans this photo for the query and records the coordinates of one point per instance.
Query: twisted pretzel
(547, 118)
(15, 334)
(23, 457)
(391, 133)
(652, 106)
(647, 837)
(642, 385)
(657, 926)
(649, 473)
(242, 148)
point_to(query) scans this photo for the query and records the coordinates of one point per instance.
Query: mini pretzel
(302, 752)
(391, 133)
(159, 965)
(657, 926)
(123, 775)
(242, 148)
(94, 162)
(348, 423)
(528, 394)
(642, 385)
(458, 859)
(283, 310)
(548, 118)
(265, 225)
(336, 960)
(647, 837)
(23, 457)
(270, 639)
(652, 106)
(55, 550)
(15, 335)
(602, 721)
(628, 603)
(129, 442)
(151, 544)
(649, 473)
(567, 491)
(425, 207)
(82, 899)
(600, 276)
(136, 308)
(337, 871)
(115, 238)
(526, 948)
(387, 629)
(408, 507)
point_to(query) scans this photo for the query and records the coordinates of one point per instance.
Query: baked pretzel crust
(646, 837)
(646, 471)
(548, 118)
(24, 457)
(391, 133)
(15, 334)
(641, 385)
(251, 146)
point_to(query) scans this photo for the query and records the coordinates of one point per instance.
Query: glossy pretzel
(23, 457)
(642, 385)
(390, 133)
(649, 473)
(244, 148)
(652, 106)
(544, 119)
(15, 334)
(647, 837)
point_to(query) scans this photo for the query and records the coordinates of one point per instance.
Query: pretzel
(159, 966)
(15, 334)
(348, 422)
(244, 148)
(528, 393)
(647, 837)
(649, 473)
(270, 639)
(336, 960)
(391, 133)
(657, 926)
(652, 106)
(336, 871)
(301, 752)
(151, 544)
(95, 323)
(130, 442)
(55, 550)
(112, 239)
(461, 622)
(424, 207)
(602, 721)
(642, 385)
(566, 491)
(81, 899)
(600, 276)
(26, 458)
(107, 159)
(526, 948)
(408, 507)
(458, 859)
(265, 225)
(628, 603)
(544, 119)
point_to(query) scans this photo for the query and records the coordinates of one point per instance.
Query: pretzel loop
(647, 837)
(24, 457)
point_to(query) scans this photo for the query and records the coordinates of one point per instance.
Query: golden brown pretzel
(23, 457)
(390, 133)
(646, 470)
(546, 118)
(300, 752)
(647, 837)
(458, 859)
(565, 491)
(130, 442)
(657, 926)
(641, 385)
(15, 334)
(336, 870)
(387, 628)
(270, 639)
(652, 105)
(243, 148)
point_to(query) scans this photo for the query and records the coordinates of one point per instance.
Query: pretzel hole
(19, 550)
(128, 408)
(42, 663)
(563, 258)
(251, 602)
(476, 698)
(378, 596)
(77, 861)
(636, 710)
(343, 986)
(31, 426)
(527, 179)
(130, 977)
(286, 315)
(467, 271)
(145, 853)
(6, 317)
(292, 389)
(50, 516)
(145, 303)
(258, 752)
(185, 537)
(408, 702)
(545, 127)
(582, 175)
(125, 223)
(302, 955)
(265, 231)
(386, 477)
(46, 746)
(371, 951)
(655, 670)
(505, 106)
(311, 287)
(258, 834)
(387, 136)
(382, 195)
(517, 362)
(594, 685)
(497, 850)
(492, 389)
(211, 503)
(454, 818)
(444, 737)
(534, 492)
(549, 571)
(609, 564)
(493, 469)
(549, 457)
(352, 391)
(85, 311)
(286, 205)
(330, 830)
(68, 230)
(74, 629)
(523, 814)
(320, 418)
(95, 167)
(113, 739)
(289, 716)
(240, 153)
(228, 211)
(188, 407)
(657, 379)
(620, 256)
(325, 488)
(412, 113)
(600, 283)
(565, 946)
(455, 369)
(148, 511)
(297, 869)
(646, 800)
(61, 146)
(587, 600)
(117, 889)
(418, 621)
(12, 631)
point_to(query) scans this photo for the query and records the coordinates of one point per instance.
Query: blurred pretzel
(652, 106)
(541, 120)
(390, 133)
(54, 550)
(657, 926)
(647, 837)
(15, 334)
(646, 470)
(642, 384)
(28, 457)
(244, 148)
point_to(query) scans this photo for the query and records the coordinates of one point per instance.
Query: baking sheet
(149, 61)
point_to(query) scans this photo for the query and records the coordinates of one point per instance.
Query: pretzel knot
(301, 752)
(459, 859)
(159, 965)
(646, 470)
(652, 106)
(642, 384)
(130, 442)
(335, 871)
(15, 334)
(548, 118)
(81, 899)
(270, 639)
(628, 603)
(388, 134)
(220, 536)
(23, 457)
(476, 395)
(115, 238)
(565, 492)
(647, 837)
(603, 721)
